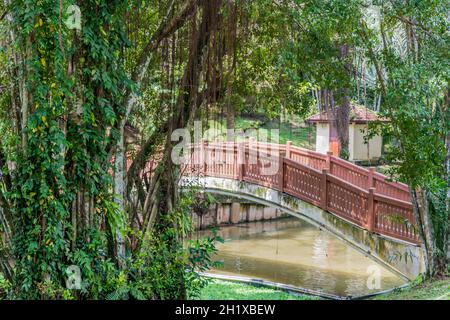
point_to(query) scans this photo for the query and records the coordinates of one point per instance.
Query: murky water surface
(294, 252)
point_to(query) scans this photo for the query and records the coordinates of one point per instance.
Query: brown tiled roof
(358, 114)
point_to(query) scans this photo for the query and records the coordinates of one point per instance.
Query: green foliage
(201, 252)
(61, 161)
(160, 271)
(312, 56)
(414, 101)
(166, 266)
(267, 77)
(4, 287)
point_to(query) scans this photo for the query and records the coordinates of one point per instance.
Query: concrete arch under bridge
(387, 251)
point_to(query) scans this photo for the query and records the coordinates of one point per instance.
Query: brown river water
(295, 252)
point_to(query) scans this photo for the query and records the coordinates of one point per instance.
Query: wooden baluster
(253, 155)
(323, 198)
(371, 211)
(235, 160)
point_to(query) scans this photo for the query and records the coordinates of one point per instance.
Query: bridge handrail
(367, 177)
(351, 194)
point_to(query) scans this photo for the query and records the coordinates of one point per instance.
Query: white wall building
(359, 150)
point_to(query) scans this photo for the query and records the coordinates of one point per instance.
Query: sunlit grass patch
(435, 290)
(225, 290)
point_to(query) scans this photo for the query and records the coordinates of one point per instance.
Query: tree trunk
(342, 114)
(119, 195)
(231, 58)
(424, 209)
(230, 115)
(185, 108)
(447, 175)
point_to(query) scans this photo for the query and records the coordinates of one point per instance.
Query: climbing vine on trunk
(60, 186)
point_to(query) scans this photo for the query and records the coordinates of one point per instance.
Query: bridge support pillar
(235, 214)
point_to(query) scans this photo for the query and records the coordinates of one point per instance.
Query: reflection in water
(295, 252)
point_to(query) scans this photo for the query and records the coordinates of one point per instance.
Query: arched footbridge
(356, 204)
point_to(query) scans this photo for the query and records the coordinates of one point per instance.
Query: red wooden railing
(361, 196)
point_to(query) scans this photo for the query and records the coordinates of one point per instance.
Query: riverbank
(225, 290)
(434, 290)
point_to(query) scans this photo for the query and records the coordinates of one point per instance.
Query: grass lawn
(304, 137)
(226, 290)
(300, 136)
(436, 290)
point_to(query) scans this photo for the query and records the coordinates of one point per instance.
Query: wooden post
(241, 161)
(328, 164)
(370, 180)
(281, 170)
(323, 188)
(288, 149)
(371, 211)
(252, 142)
(252, 154)
(217, 152)
(224, 158)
